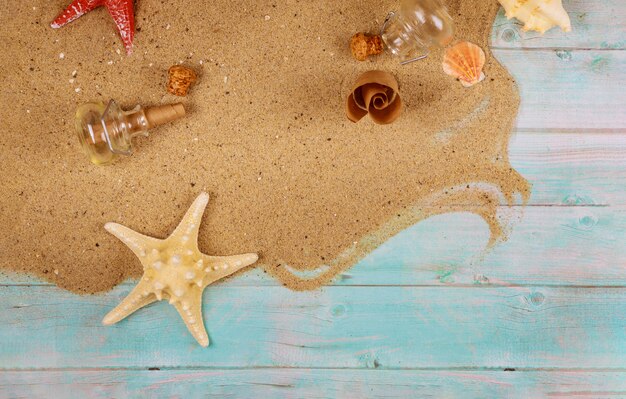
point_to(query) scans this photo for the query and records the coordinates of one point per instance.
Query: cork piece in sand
(268, 138)
(180, 79)
(363, 45)
(375, 93)
(175, 269)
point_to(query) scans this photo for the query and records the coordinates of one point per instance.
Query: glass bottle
(106, 131)
(418, 25)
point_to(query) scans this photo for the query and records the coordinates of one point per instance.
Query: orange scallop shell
(465, 62)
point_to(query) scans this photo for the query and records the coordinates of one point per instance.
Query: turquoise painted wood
(577, 90)
(548, 245)
(313, 384)
(583, 168)
(428, 314)
(341, 327)
(595, 25)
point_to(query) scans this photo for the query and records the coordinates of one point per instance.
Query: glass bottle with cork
(409, 32)
(106, 131)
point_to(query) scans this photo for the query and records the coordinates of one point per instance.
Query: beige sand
(266, 135)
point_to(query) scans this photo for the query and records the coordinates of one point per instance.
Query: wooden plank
(557, 245)
(337, 327)
(595, 24)
(309, 384)
(575, 90)
(550, 246)
(444, 267)
(583, 168)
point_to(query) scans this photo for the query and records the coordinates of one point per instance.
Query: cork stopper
(363, 45)
(180, 79)
(163, 114)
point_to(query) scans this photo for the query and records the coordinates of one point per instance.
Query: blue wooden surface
(340, 327)
(429, 313)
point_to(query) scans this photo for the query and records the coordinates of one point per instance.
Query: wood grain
(336, 327)
(584, 168)
(595, 25)
(312, 384)
(548, 245)
(579, 90)
(428, 314)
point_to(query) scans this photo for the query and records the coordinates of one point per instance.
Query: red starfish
(120, 10)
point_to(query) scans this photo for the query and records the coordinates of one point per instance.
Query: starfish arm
(74, 11)
(219, 267)
(122, 13)
(190, 310)
(190, 224)
(138, 243)
(139, 297)
(174, 269)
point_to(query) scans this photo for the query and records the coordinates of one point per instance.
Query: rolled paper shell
(375, 93)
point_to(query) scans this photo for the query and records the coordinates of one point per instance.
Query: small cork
(362, 46)
(163, 114)
(180, 79)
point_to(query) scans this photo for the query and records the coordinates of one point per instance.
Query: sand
(266, 135)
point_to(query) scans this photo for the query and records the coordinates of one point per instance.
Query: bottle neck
(418, 25)
(121, 126)
(136, 122)
(400, 37)
(107, 131)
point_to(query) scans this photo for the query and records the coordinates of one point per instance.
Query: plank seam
(131, 283)
(502, 369)
(555, 49)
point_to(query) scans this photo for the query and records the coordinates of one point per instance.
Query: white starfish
(175, 269)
